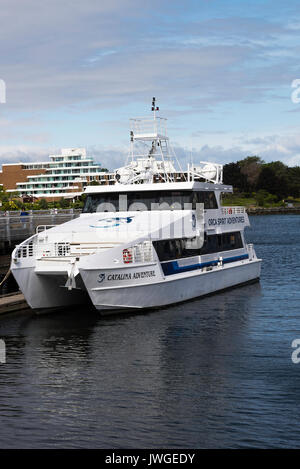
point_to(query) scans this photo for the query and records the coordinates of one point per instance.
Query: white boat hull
(173, 289)
(47, 292)
(111, 262)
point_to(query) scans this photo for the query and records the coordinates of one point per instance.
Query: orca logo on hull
(111, 222)
(101, 277)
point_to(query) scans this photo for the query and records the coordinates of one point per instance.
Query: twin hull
(102, 279)
(43, 292)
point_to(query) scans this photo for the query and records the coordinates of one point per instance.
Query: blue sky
(221, 71)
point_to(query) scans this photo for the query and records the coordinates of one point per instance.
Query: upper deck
(168, 186)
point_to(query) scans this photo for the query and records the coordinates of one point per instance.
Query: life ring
(127, 256)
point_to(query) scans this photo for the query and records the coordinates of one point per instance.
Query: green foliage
(243, 174)
(264, 199)
(254, 175)
(64, 203)
(238, 199)
(43, 204)
(12, 201)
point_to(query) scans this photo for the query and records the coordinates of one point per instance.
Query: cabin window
(171, 249)
(149, 200)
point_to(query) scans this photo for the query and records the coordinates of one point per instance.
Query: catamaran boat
(157, 236)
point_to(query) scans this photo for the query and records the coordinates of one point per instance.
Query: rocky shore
(272, 210)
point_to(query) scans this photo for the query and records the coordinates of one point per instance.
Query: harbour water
(215, 372)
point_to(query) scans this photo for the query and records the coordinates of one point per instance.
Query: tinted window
(176, 248)
(148, 200)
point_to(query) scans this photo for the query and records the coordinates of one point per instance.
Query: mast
(152, 159)
(150, 151)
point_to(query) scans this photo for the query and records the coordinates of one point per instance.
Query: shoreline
(273, 210)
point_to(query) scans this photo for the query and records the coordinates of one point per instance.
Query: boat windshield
(148, 200)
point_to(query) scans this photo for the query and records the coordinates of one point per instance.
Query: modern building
(65, 175)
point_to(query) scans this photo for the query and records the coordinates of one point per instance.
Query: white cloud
(83, 57)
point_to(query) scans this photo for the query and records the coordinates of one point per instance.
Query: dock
(12, 303)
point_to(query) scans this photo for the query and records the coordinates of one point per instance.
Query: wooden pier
(13, 303)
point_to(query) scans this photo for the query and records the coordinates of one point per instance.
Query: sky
(221, 71)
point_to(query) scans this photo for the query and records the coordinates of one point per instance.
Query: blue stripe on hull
(170, 268)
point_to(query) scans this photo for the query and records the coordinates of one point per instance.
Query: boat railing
(40, 248)
(26, 249)
(143, 127)
(143, 252)
(41, 228)
(67, 249)
(251, 251)
(233, 210)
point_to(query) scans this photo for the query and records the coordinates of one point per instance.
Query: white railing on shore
(38, 213)
(16, 225)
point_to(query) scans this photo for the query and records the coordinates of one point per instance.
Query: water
(211, 373)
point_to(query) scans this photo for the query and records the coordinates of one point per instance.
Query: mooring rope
(6, 277)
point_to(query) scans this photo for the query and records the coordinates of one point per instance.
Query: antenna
(154, 108)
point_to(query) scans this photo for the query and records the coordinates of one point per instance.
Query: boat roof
(166, 186)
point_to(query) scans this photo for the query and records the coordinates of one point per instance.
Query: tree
(64, 203)
(232, 175)
(251, 168)
(274, 179)
(94, 183)
(43, 204)
(293, 175)
(243, 174)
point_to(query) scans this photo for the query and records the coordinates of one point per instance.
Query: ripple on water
(213, 372)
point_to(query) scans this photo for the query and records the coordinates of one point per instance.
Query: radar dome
(209, 171)
(124, 175)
